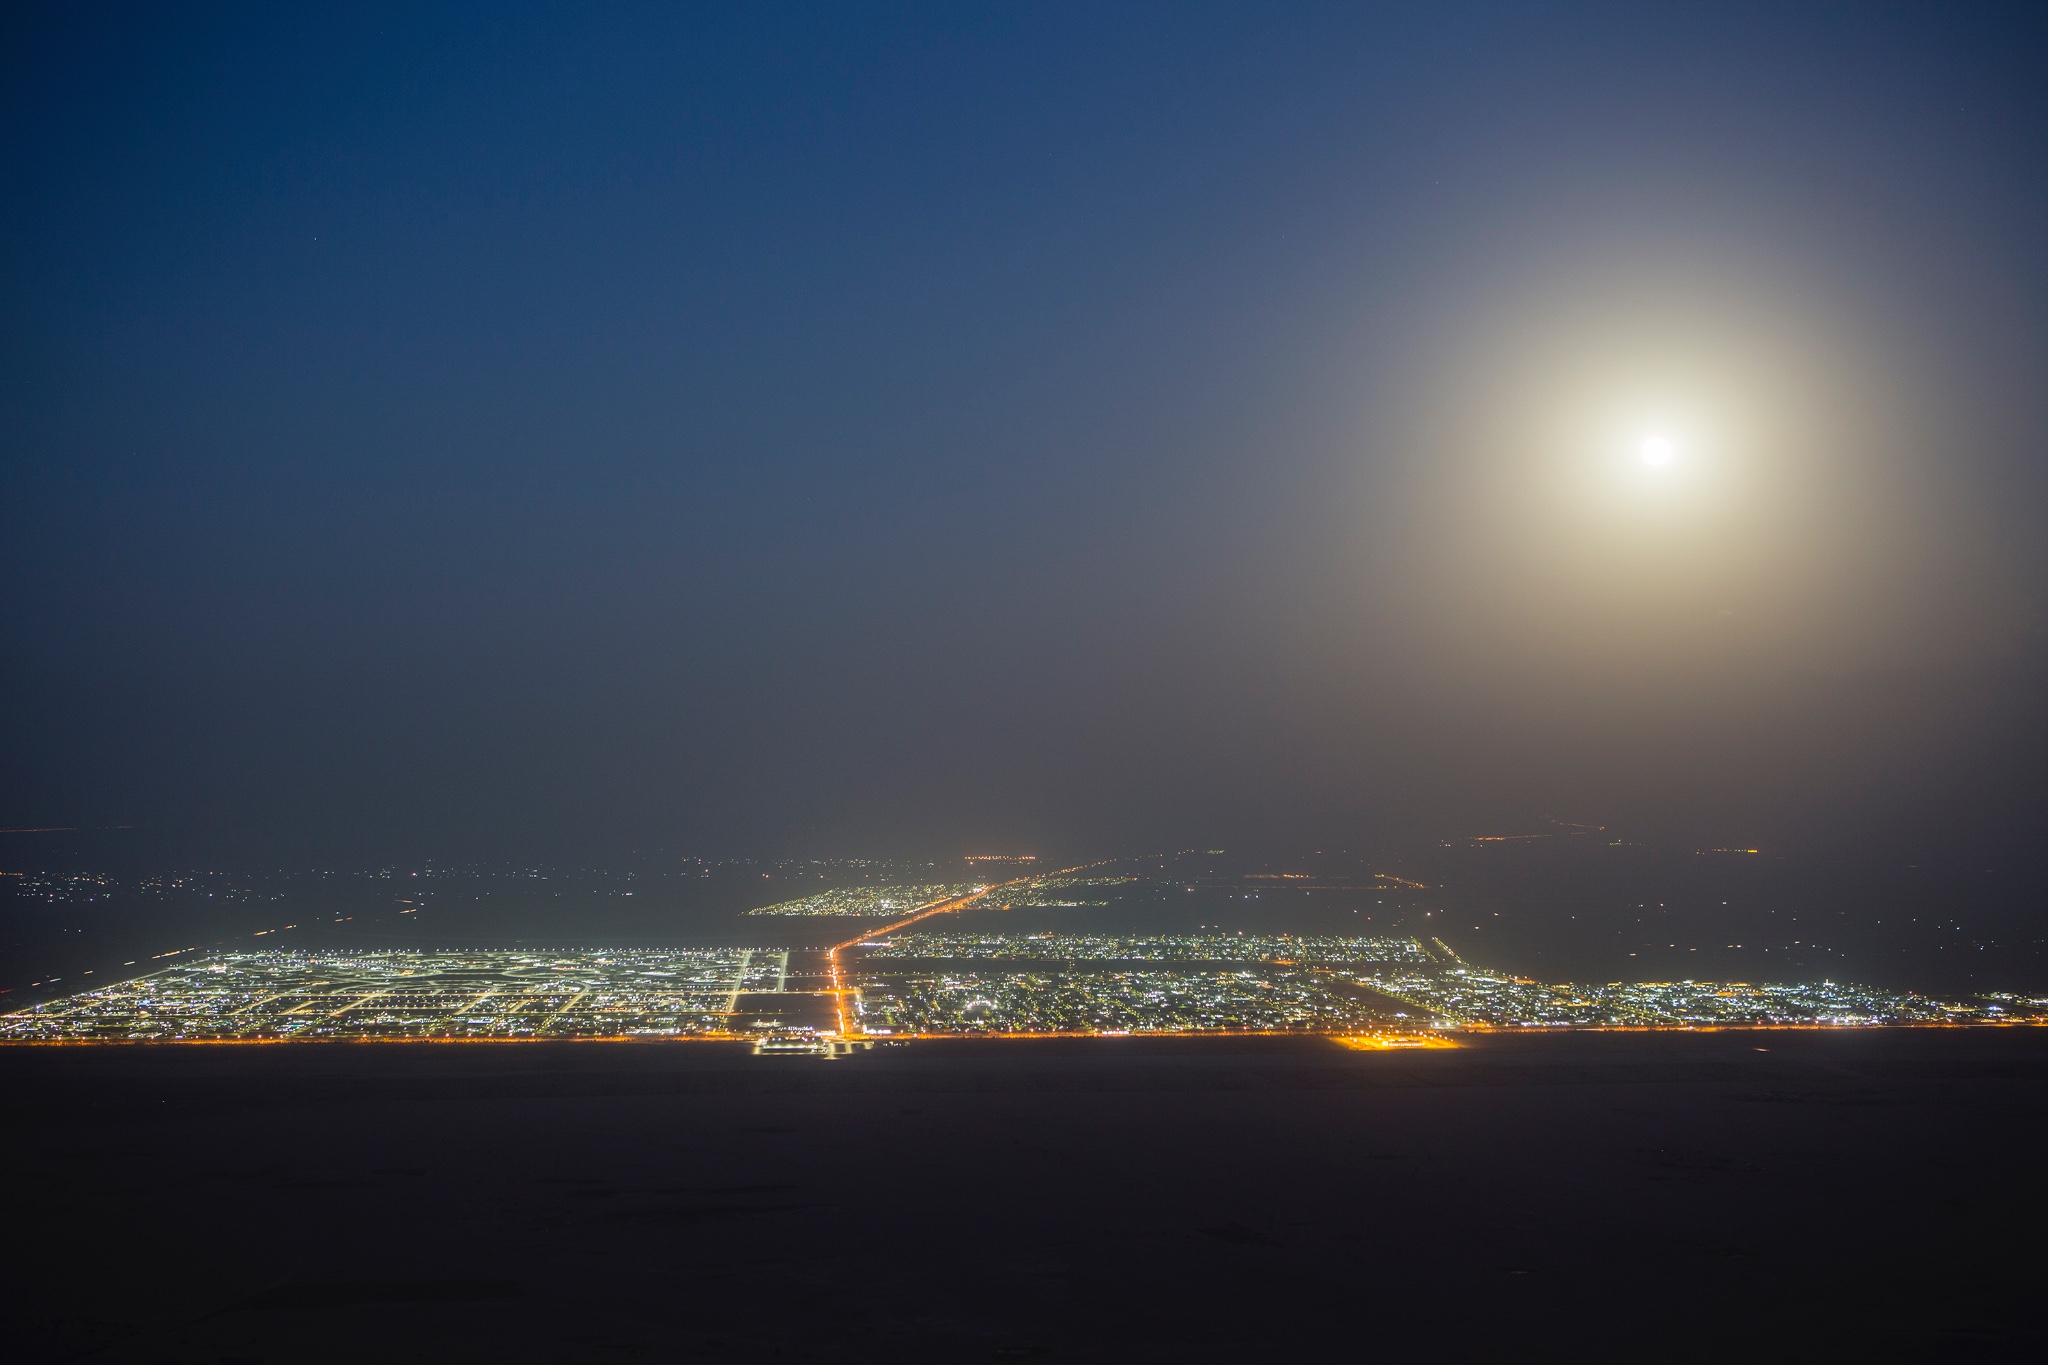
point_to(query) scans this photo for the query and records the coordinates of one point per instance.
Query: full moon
(1656, 451)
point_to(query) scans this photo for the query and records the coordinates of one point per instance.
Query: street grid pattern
(911, 984)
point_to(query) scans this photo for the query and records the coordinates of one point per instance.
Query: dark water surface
(1872, 1195)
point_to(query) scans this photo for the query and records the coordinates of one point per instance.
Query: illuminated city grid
(413, 995)
(1083, 983)
(1464, 996)
(868, 901)
(928, 984)
(1168, 1001)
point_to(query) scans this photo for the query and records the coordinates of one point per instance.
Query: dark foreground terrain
(1867, 1195)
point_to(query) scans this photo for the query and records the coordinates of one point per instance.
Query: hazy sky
(512, 430)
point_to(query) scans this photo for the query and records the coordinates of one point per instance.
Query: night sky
(526, 431)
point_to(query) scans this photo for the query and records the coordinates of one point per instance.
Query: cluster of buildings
(1463, 997)
(1176, 1000)
(411, 995)
(914, 985)
(996, 983)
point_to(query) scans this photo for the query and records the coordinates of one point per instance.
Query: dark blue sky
(507, 429)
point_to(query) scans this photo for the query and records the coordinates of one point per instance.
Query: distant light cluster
(1060, 892)
(1078, 948)
(868, 901)
(85, 888)
(276, 884)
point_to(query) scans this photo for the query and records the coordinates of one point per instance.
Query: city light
(1389, 992)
